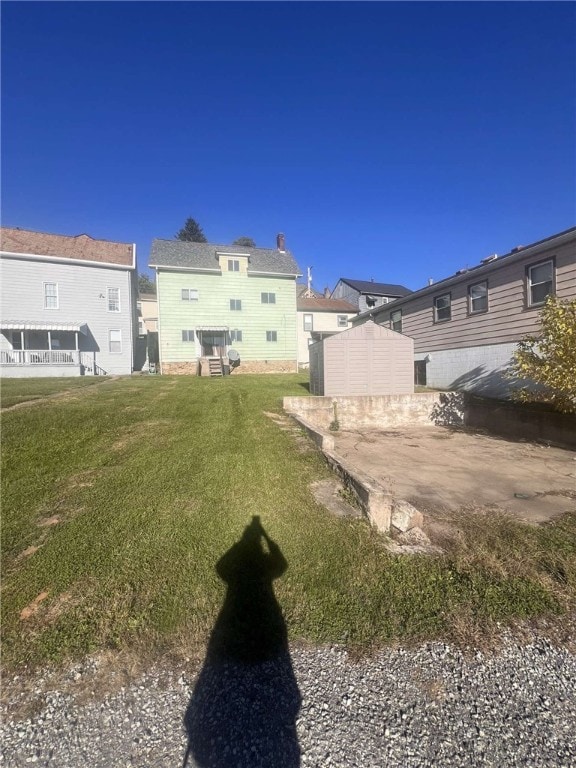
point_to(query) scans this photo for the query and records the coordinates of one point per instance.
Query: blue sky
(394, 141)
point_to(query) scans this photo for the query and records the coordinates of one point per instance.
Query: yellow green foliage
(549, 360)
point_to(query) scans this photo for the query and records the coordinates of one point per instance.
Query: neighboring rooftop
(82, 247)
(376, 289)
(204, 256)
(320, 304)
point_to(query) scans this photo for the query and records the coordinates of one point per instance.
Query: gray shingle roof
(178, 253)
(378, 289)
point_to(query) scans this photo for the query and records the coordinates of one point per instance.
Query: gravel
(429, 706)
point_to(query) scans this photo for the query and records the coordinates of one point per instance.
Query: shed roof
(81, 247)
(204, 256)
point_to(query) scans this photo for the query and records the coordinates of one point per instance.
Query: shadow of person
(244, 705)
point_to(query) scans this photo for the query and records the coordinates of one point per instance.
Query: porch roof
(25, 325)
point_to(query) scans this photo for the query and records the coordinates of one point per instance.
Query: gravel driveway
(430, 706)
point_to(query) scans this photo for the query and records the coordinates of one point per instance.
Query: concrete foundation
(379, 411)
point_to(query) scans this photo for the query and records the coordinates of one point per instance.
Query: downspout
(158, 321)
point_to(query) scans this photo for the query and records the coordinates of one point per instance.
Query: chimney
(280, 242)
(430, 281)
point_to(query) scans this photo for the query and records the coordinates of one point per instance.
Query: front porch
(37, 349)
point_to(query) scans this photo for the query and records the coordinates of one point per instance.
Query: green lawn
(118, 502)
(14, 391)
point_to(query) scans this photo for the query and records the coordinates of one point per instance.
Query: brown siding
(508, 318)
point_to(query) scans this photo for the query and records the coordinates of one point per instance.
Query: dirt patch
(46, 522)
(32, 608)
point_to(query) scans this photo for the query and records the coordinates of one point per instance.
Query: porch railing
(39, 357)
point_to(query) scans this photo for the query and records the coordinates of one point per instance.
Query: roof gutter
(479, 271)
(66, 260)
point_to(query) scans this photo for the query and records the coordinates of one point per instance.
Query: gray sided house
(366, 294)
(365, 360)
(68, 305)
(466, 327)
(225, 307)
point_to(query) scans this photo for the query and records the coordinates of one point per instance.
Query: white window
(233, 265)
(268, 298)
(396, 320)
(235, 336)
(141, 327)
(113, 299)
(187, 335)
(478, 298)
(342, 321)
(50, 295)
(271, 336)
(115, 341)
(442, 308)
(236, 305)
(189, 294)
(540, 282)
(308, 322)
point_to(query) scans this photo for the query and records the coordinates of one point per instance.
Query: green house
(225, 307)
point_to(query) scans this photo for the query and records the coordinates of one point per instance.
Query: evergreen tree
(146, 285)
(191, 232)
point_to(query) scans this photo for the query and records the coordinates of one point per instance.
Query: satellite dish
(233, 355)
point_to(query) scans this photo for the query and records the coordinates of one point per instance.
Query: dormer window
(233, 265)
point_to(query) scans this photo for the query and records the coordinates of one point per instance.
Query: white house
(68, 305)
(319, 318)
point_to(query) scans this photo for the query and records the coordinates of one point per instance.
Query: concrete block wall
(473, 369)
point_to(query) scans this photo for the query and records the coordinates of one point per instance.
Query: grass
(117, 505)
(14, 391)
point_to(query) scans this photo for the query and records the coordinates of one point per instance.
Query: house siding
(473, 351)
(82, 298)
(322, 322)
(508, 318)
(213, 309)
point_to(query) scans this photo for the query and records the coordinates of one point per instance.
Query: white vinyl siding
(50, 295)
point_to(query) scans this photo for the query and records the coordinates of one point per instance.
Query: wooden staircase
(215, 366)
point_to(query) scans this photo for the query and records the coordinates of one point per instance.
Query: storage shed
(365, 360)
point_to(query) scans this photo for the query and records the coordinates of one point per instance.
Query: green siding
(213, 309)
